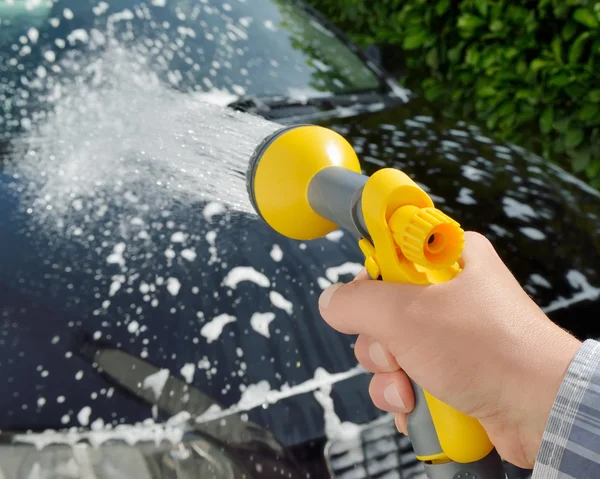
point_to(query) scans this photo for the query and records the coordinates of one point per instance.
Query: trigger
(371, 264)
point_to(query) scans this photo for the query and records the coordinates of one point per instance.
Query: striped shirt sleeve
(570, 445)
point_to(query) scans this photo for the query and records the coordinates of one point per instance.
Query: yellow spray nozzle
(426, 236)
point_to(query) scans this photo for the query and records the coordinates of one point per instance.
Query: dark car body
(101, 290)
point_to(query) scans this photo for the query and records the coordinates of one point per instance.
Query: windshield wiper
(264, 104)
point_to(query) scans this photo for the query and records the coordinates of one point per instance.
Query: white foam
(212, 209)
(213, 329)
(516, 209)
(260, 323)
(68, 14)
(159, 3)
(33, 34)
(156, 382)
(173, 286)
(188, 254)
(465, 197)
(280, 302)
(83, 416)
(579, 281)
(333, 274)
(540, 280)
(78, 35)
(276, 253)
(533, 233)
(187, 371)
(334, 427)
(133, 326)
(116, 257)
(321, 379)
(178, 237)
(323, 283)
(335, 236)
(245, 273)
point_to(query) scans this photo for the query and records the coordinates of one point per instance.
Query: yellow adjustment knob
(426, 236)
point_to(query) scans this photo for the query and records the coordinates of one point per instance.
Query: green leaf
(538, 64)
(561, 125)
(442, 7)
(593, 168)
(482, 7)
(585, 17)
(594, 96)
(580, 160)
(588, 111)
(557, 49)
(414, 40)
(496, 26)
(468, 21)
(559, 80)
(511, 53)
(577, 47)
(573, 138)
(547, 119)
(487, 91)
(472, 57)
(432, 59)
(569, 31)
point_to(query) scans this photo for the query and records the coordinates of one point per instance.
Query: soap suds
(83, 416)
(276, 253)
(260, 323)
(173, 286)
(133, 326)
(213, 209)
(245, 273)
(333, 274)
(335, 236)
(178, 237)
(280, 302)
(260, 395)
(334, 427)
(188, 254)
(187, 371)
(323, 283)
(532, 233)
(212, 330)
(156, 382)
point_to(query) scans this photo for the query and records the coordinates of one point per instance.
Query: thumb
(368, 307)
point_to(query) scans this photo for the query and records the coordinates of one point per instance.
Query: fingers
(392, 392)
(374, 357)
(401, 420)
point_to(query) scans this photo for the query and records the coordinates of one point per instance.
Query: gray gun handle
(426, 443)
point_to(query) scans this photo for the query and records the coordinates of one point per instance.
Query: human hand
(477, 342)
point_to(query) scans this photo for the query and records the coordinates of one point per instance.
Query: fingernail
(392, 396)
(378, 355)
(326, 295)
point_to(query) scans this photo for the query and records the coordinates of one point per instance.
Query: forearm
(571, 442)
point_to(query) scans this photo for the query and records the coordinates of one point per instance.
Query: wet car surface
(133, 306)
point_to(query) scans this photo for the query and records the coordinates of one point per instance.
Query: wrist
(550, 358)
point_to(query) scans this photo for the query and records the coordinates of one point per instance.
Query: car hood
(131, 302)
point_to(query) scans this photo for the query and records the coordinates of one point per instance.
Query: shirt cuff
(582, 376)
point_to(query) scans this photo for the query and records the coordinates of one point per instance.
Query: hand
(477, 342)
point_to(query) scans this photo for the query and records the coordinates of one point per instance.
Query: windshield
(243, 47)
(129, 291)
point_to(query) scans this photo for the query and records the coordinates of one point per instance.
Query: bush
(529, 71)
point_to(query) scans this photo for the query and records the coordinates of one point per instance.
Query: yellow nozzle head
(280, 173)
(427, 237)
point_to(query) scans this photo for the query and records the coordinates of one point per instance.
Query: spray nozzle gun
(305, 182)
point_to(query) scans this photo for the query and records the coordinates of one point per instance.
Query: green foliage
(528, 70)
